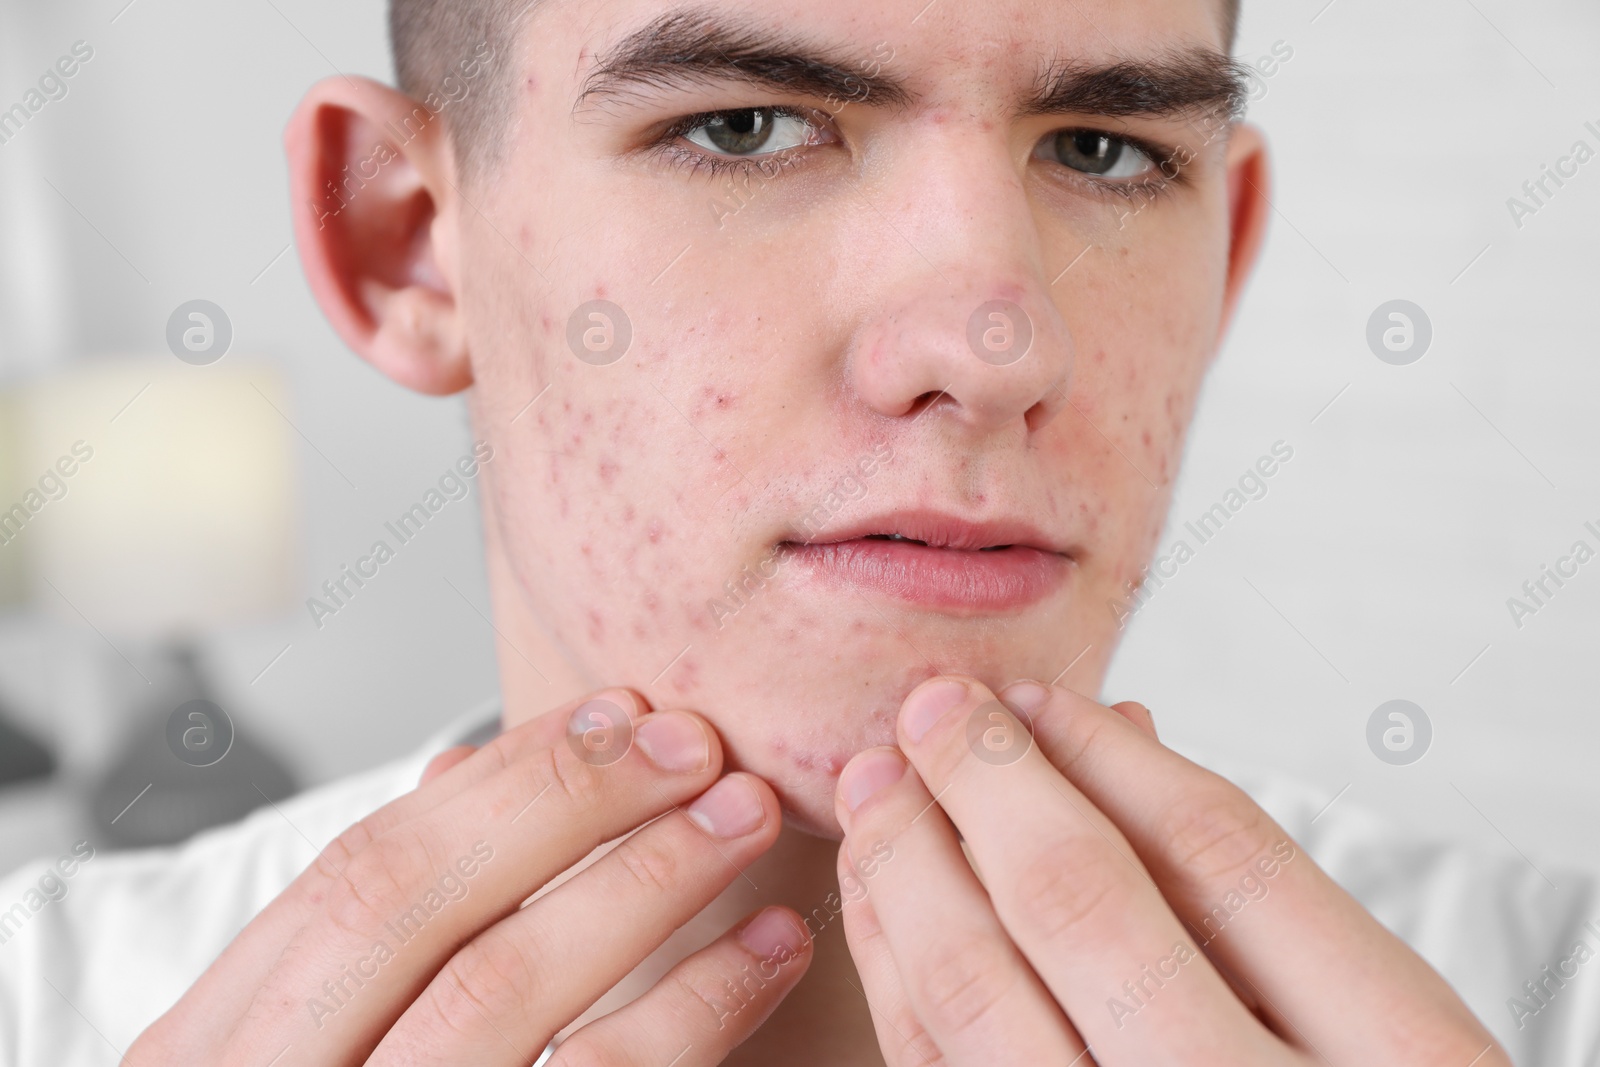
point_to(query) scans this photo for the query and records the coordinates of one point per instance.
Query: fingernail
(931, 703)
(597, 714)
(871, 773)
(773, 935)
(675, 742)
(1027, 695)
(728, 809)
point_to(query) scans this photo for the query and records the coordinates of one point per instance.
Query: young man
(835, 362)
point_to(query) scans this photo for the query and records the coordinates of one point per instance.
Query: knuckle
(650, 865)
(1080, 732)
(882, 824)
(919, 1050)
(487, 979)
(1065, 888)
(320, 879)
(343, 850)
(963, 979)
(707, 997)
(1214, 831)
(374, 888)
(577, 783)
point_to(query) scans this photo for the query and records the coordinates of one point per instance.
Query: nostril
(925, 401)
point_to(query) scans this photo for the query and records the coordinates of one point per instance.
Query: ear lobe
(370, 173)
(1249, 205)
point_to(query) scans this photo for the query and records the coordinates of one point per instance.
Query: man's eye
(1097, 154)
(749, 131)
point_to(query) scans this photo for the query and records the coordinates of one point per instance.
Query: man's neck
(825, 1018)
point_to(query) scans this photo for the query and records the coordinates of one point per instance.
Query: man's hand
(405, 943)
(1130, 902)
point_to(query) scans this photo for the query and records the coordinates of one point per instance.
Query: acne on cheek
(713, 400)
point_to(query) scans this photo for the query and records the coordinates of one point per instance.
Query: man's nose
(958, 314)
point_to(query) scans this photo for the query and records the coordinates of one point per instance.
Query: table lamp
(152, 501)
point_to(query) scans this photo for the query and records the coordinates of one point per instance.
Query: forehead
(986, 42)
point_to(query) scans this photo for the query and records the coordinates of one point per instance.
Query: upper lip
(939, 529)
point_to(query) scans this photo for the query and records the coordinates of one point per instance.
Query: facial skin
(817, 317)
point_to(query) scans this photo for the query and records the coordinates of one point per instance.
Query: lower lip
(947, 578)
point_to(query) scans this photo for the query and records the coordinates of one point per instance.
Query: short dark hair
(431, 39)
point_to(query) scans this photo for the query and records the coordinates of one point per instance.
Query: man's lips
(940, 561)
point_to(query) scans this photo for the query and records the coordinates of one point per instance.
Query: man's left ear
(1249, 204)
(372, 177)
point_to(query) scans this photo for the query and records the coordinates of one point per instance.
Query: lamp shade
(11, 491)
(153, 498)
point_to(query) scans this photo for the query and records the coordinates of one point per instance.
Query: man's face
(902, 303)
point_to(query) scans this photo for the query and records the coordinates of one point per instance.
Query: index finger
(225, 990)
(1070, 892)
(1254, 900)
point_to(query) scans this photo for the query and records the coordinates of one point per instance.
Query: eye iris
(740, 132)
(1092, 153)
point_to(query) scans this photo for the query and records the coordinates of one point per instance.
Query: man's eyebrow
(1171, 84)
(698, 45)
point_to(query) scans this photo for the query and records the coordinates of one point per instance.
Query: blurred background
(144, 210)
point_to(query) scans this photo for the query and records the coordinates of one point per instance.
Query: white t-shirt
(83, 975)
